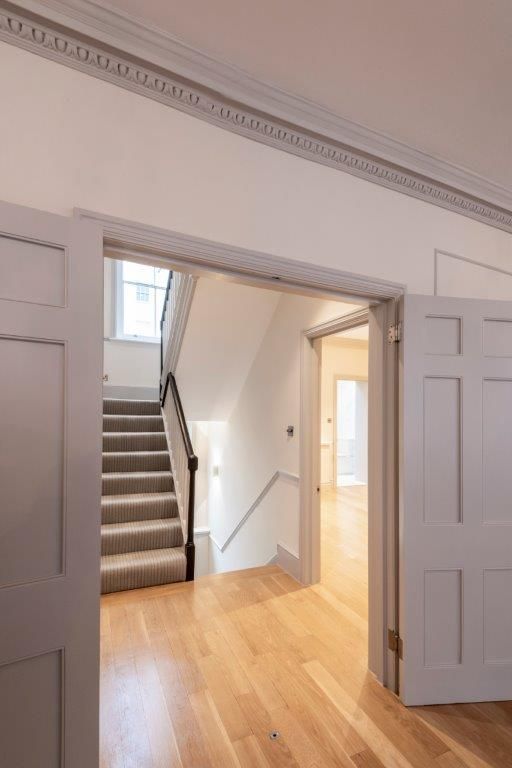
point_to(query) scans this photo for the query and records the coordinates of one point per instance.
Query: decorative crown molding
(54, 42)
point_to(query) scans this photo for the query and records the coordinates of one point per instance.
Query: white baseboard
(288, 561)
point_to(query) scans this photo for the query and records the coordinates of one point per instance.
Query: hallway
(200, 674)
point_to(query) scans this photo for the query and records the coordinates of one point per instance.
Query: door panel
(50, 471)
(456, 500)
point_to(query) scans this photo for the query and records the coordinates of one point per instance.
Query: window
(140, 292)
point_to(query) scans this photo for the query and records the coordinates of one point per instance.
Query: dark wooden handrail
(192, 463)
(164, 310)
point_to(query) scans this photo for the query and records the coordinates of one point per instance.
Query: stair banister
(184, 465)
(164, 326)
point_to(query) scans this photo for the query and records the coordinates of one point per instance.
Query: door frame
(127, 239)
(339, 377)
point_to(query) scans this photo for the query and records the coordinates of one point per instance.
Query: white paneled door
(456, 500)
(50, 437)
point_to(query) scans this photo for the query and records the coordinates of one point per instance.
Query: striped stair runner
(141, 535)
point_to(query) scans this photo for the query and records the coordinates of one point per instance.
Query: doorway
(351, 430)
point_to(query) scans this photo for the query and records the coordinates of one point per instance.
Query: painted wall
(249, 447)
(226, 324)
(127, 363)
(340, 357)
(71, 140)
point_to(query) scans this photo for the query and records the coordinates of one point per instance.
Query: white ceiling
(434, 75)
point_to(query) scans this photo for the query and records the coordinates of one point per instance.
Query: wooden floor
(199, 675)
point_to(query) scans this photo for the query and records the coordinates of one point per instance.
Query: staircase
(141, 533)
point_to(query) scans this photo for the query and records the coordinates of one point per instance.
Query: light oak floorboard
(197, 675)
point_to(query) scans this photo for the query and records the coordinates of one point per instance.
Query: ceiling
(433, 75)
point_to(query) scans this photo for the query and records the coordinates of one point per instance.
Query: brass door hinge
(395, 643)
(395, 333)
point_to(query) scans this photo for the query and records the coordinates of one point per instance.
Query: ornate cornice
(66, 47)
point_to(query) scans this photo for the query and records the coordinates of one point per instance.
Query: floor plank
(199, 675)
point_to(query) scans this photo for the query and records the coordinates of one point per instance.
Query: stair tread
(128, 400)
(141, 558)
(151, 473)
(132, 416)
(121, 498)
(127, 507)
(135, 570)
(116, 442)
(140, 535)
(136, 453)
(117, 406)
(143, 525)
(127, 434)
(135, 461)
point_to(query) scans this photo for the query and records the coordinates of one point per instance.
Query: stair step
(125, 508)
(134, 570)
(136, 461)
(119, 406)
(140, 535)
(124, 423)
(134, 441)
(135, 482)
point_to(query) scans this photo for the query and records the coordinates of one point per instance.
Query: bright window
(140, 292)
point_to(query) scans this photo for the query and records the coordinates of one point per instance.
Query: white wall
(71, 140)
(340, 357)
(226, 324)
(253, 444)
(127, 363)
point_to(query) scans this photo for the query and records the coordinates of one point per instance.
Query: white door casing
(455, 500)
(50, 469)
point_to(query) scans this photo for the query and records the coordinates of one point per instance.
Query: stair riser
(133, 424)
(131, 407)
(136, 462)
(125, 441)
(129, 511)
(149, 574)
(137, 484)
(138, 541)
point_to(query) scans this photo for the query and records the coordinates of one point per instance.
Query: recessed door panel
(32, 451)
(31, 712)
(31, 271)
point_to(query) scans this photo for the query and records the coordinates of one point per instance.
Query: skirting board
(288, 561)
(130, 393)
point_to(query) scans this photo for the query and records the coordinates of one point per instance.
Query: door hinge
(395, 333)
(395, 643)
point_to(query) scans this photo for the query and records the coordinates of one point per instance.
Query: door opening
(344, 477)
(351, 429)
